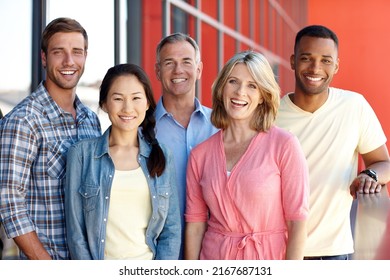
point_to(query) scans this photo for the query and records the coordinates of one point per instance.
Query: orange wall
(363, 30)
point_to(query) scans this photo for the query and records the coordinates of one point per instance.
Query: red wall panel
(364, 48)
(152, 30)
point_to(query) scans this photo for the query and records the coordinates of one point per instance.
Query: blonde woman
(247, 185)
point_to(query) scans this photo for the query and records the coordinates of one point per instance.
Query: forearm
(31, 246)
(194, 233)
(382, 169)
(379, 161)
(296, 240)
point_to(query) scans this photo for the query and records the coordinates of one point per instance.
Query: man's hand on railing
(364, 184)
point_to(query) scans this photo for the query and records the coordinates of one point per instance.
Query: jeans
(337, 257)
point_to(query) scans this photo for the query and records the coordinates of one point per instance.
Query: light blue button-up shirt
(181, 140)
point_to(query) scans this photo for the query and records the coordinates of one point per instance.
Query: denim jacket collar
(102, 146)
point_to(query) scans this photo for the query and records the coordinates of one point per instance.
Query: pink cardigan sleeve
(196, 208)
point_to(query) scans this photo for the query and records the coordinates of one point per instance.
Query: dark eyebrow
(117, 93)
(62, 48)
(56, 48)
(324, 55)
(121, 94)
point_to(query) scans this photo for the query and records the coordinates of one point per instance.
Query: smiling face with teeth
(315, 62)
(178, 70)
(241, 94)
(126, 104)
(64, 61)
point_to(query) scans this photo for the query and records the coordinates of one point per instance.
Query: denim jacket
(89, 174)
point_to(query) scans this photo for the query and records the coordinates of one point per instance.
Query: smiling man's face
(315, 62)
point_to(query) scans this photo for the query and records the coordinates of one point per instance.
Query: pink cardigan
(248, 210)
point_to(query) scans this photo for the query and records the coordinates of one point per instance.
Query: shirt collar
(102, 146)
(199, 108)
(51, 108)
(161, 111)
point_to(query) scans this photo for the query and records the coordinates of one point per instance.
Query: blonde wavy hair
(261, 71)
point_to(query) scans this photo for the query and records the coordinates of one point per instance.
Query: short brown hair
(62, 24)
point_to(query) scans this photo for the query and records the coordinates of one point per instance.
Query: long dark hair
(156, 162)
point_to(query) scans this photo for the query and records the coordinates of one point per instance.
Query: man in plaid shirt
(34, 139)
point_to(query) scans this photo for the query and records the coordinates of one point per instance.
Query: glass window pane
(15, 55)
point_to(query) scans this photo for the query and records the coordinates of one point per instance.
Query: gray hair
(178, 37)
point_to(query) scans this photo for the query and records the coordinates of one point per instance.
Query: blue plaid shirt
(34, 139)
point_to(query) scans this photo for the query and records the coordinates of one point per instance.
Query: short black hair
(318, 31)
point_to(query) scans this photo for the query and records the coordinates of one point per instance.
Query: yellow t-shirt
(128, 217)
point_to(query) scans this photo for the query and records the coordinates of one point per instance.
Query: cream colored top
(128, 216)
(331, 138)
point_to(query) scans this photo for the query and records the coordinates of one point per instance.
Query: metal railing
(371, 226)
